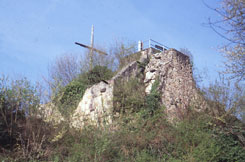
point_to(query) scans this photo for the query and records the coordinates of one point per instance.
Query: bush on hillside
(97, 74)
(69, 96)
(22, 133)
(128, 96)
(152, 138)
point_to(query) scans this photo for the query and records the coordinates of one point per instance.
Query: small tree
(21, 131)
(120, 50)
(62, 71)
(231, 27)
(226, 96)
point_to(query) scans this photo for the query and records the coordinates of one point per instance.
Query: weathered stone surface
(177, 87)
(97, 102)
(95, 106)
(103, 90)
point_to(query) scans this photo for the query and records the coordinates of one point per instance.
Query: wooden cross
(92, 49)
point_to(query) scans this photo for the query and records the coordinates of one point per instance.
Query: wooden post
(92, 49)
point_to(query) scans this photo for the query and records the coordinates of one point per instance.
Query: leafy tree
(116, 51)
(98, 60)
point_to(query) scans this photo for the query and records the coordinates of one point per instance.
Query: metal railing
(153, 44)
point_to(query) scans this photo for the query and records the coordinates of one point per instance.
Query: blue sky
(34, 32)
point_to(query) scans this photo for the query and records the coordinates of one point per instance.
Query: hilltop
(149, 110)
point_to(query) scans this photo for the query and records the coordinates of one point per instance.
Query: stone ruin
(177, 88)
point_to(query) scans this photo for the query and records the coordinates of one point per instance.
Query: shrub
(97, 74)
(153, 99)
(70, 95)
(151, 139)
(128, 96)
(18, 99)
(22, 134)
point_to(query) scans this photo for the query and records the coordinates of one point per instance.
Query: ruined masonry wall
(177, 88)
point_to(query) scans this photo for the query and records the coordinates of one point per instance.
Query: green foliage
(222, 147)
(97, 74)
(18, 99)
(198, 137)
(153, 99)
(142, 133)
(18, 95)
(152, 139)
(223, 95)
(201, 139)
(92, 144)
(22, 134)
(128, 96)
(70, 95)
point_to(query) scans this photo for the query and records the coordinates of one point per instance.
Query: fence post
(140, 46)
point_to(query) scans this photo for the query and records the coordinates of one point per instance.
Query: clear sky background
(34, 32)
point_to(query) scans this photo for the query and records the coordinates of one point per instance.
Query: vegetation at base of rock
(152, 139)
(128, 96)
(142, 133)
(69, 96)
(152, 101)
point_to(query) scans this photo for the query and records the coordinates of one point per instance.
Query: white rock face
(95, 106)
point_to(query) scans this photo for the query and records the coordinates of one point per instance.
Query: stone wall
(177, 88)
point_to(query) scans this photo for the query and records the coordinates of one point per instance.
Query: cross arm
(96, 50)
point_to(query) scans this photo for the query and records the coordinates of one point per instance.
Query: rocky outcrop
(177, 87)
(97, 102)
